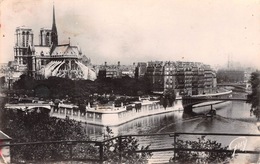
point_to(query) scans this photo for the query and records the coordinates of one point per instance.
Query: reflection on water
(143, 125)
(232, 118)
(180, 122)
(238, 110)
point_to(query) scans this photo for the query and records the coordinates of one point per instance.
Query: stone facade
(186, 78)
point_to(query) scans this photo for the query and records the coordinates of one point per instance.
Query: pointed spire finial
(53, 16)
(54, 34)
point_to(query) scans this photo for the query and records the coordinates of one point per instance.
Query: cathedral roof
(60, 49)
(66, 50)
(42, 50)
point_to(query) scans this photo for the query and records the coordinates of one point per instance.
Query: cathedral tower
(23, 38)
(45, 37)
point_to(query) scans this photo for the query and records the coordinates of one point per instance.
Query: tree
(2, 81)
(254, 97)
(36, 126)
(170, 94)
(128, 147)
(197, 156)
(25, 82)
(168, 98)
(163, 101)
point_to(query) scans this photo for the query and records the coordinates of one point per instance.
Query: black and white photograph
(129, 81)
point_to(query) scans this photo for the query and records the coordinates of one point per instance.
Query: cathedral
(50, 58)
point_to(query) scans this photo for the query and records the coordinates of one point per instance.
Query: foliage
(229, 76)
(164, 101)
(168, 98)
(80, 91)
(3, 101)
(129, 144)
(2, 81)
(170, 94)
(254, 97)
(39, 126)
(34, 126)
(125, 100)
(197, 156)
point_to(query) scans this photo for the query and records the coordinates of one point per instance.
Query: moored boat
(109, 115)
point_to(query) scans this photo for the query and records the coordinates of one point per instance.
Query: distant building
(155, 73)
(116, 71)
(3, 69)
(140, 69)
(128, 70)
(170, 78)
(230, 76)
(109, 71)
(10, 73)
(210, 79)
(50, 58)
(186, 78)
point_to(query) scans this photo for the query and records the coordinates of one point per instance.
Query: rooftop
(24, 27)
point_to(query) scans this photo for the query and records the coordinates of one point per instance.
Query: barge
(109, 115)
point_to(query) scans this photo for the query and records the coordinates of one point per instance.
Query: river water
(234, 117)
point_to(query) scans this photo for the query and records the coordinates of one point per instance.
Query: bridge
(189, 102)
(212, 99)
(28, 106)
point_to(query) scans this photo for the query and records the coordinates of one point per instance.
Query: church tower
(45, 37)
(23, 38)
(54, 34)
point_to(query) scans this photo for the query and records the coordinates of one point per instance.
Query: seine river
(234, 117)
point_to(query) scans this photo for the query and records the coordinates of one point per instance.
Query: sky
(208, 31)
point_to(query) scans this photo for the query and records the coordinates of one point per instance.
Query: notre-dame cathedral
(50, 58)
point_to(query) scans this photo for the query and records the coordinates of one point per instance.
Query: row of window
(75, 113)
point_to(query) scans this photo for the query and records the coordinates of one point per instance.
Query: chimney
(105, 63)
(118, 63)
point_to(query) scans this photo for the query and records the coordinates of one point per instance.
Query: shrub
(129, 145)
(200, 156)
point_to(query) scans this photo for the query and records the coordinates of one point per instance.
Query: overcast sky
(143, 30)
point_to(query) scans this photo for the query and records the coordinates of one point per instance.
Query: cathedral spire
(54, 36)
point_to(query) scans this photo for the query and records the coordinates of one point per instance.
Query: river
(234, 117)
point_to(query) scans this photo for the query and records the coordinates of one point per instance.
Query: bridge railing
(27, 104)
(98, 151)
(214, 99)
(189, 102)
